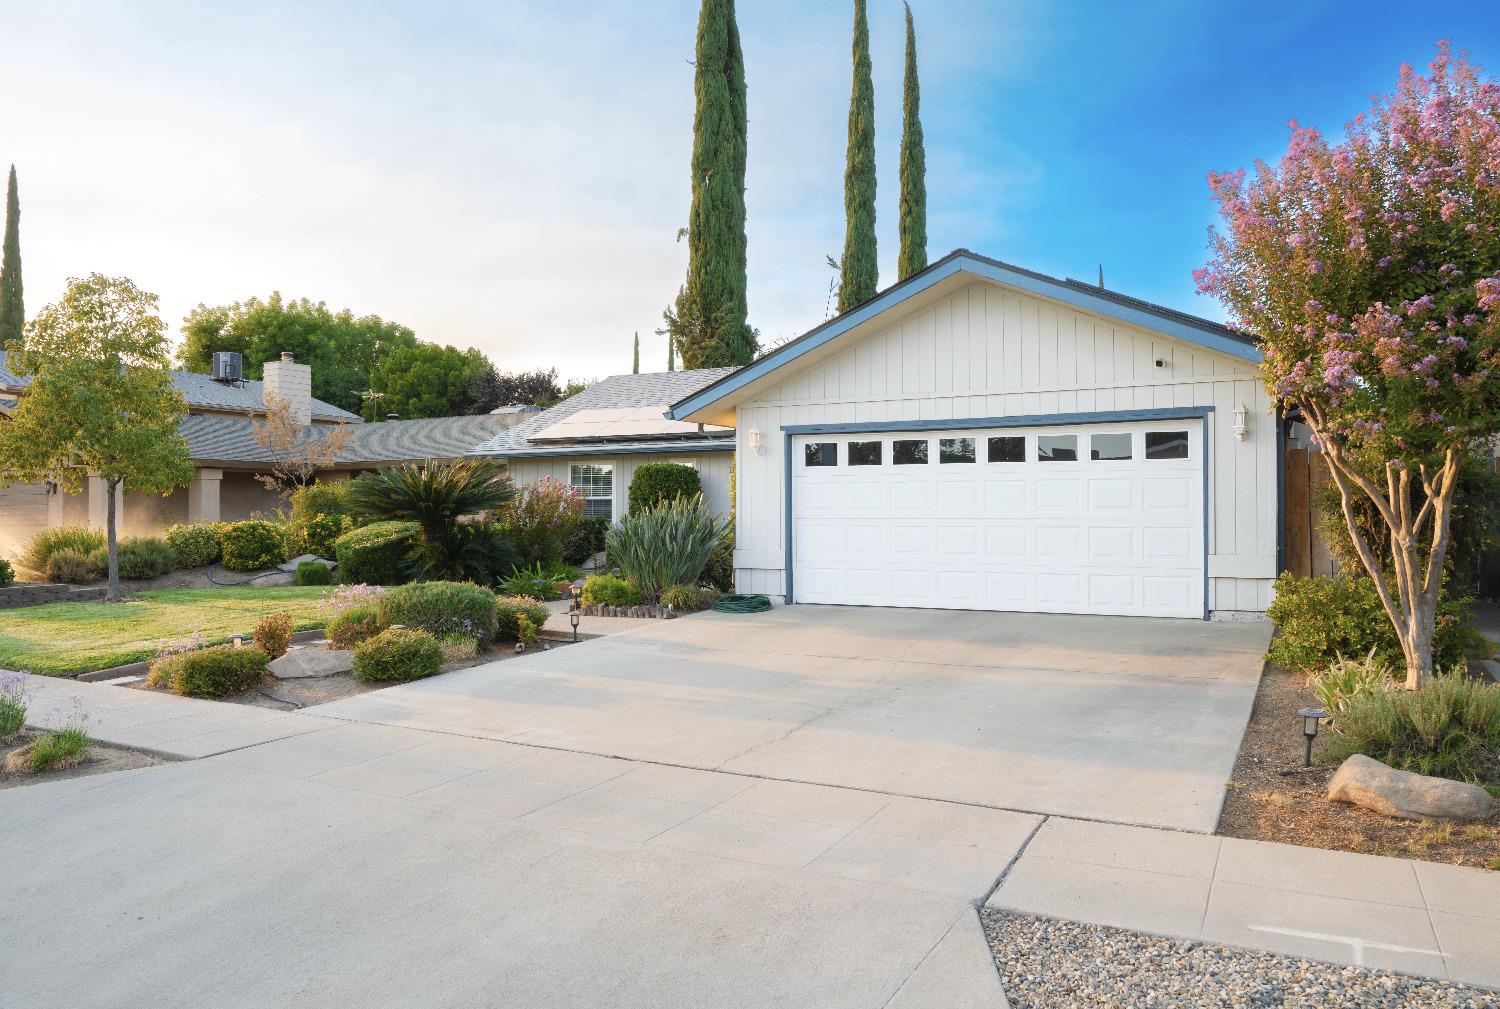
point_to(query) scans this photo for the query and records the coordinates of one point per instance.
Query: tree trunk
(1412, 609)
(114, 546)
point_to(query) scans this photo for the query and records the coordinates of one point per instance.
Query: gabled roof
(202, 392)
(617, 391)
(1087, 297)
(231, 439)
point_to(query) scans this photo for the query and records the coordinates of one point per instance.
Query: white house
(594, 441)
(980, 436)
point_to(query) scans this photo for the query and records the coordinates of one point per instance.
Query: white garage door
(1075, 519)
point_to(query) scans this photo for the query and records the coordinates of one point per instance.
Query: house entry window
(596, 482)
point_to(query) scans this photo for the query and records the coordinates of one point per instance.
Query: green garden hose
(742, 604)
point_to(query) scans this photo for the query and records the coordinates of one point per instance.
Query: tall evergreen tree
(635, 361)
(708, 319)
(671, 355)
(12, 307)
(913, 223)
(859, 276)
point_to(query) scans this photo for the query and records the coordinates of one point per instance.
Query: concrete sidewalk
(1417, 917)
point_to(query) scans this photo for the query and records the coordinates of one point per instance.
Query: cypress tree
(708, 319)
(859, 276)
(671, 364)
(913, 166)
(635, 361)
(12, 308)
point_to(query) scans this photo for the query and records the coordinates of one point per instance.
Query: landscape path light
(1310, 719)
(573, 619)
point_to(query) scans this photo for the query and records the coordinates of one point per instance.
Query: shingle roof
(653, 389)
(231, 440)
(203, 392)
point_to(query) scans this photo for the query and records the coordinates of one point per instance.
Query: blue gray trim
(1030, 420)
(1205, 515)
(564, 451)
(1154, 318)
(1200, 413)
(786, 475)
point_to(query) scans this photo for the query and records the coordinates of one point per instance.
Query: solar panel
(622, 422)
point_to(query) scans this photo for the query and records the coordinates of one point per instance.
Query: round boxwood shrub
(377, 554)
(509, 610)
(196, 545)
(69, 567)
(273, 635)
(143, 557)
(682, 597)
(352, 626)
(253, 545)
(317, 534)
(397, 653)
(210, 672)
(609, 590)
(314, 573)
(441, 608)
(7, 573)
(657, 482)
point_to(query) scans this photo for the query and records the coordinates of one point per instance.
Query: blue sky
(511, 176)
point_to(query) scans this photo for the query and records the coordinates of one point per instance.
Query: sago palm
(436, 496)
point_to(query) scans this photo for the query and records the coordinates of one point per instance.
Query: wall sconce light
(1241, 422)
(757, 441)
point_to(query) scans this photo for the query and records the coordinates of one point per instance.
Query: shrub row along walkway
(1416, 917)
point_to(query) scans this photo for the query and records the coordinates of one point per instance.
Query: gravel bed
(1049, 964)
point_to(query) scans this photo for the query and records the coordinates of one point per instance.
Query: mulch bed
(1262, 805)
(102, 759)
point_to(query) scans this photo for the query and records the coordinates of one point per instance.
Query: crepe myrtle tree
(1370, 271)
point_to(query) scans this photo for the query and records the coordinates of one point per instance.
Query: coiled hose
(742, 604)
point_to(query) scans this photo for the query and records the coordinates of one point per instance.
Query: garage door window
(865, 453)
(1109, 447)
(955, 450)
(1057, 448)
(909, 452)
(1166, 444)
(820, 453)
(1009, 448)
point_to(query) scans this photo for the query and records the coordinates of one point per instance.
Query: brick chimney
(291, 383)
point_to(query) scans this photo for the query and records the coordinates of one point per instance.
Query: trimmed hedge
(253, 545)
(1319, 619)
(211, 672)
(508, 610)
(657, 483)
(377, 554)
(196, 545)
(609, 590)
(314, 573)
(441, 608)
(352, 626)
(397, 653)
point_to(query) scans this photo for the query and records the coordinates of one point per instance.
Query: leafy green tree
(708, 319)
(427, 380)
(12, 307)
(344, 350)
(635, 360)
(490, 389)
(671, 355)
(859, 278)
(101, 399)
(913, 215)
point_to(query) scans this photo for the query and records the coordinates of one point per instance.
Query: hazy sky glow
(511, 176)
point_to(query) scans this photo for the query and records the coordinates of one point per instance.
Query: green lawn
(78, 637)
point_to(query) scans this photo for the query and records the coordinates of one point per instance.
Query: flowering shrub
(539, 521)
(210, 672)
(352, 626)
(510, 610)
(350, 597)
(14, 698)
(1370, 271)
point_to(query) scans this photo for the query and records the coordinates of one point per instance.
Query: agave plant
(438, 496)
(668, 545)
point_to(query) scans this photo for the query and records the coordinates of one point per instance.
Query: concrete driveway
(1115, 718)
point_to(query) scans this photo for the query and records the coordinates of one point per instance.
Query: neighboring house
(594, 441)
(222, 445)
(984, 437)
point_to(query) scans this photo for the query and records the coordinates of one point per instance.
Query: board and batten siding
(990, 351)
(713, 471)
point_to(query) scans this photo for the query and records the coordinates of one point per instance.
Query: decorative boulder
(291, 565)
(309, 663)
(1367, 782)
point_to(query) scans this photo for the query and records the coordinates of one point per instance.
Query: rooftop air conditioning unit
(229, 367)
